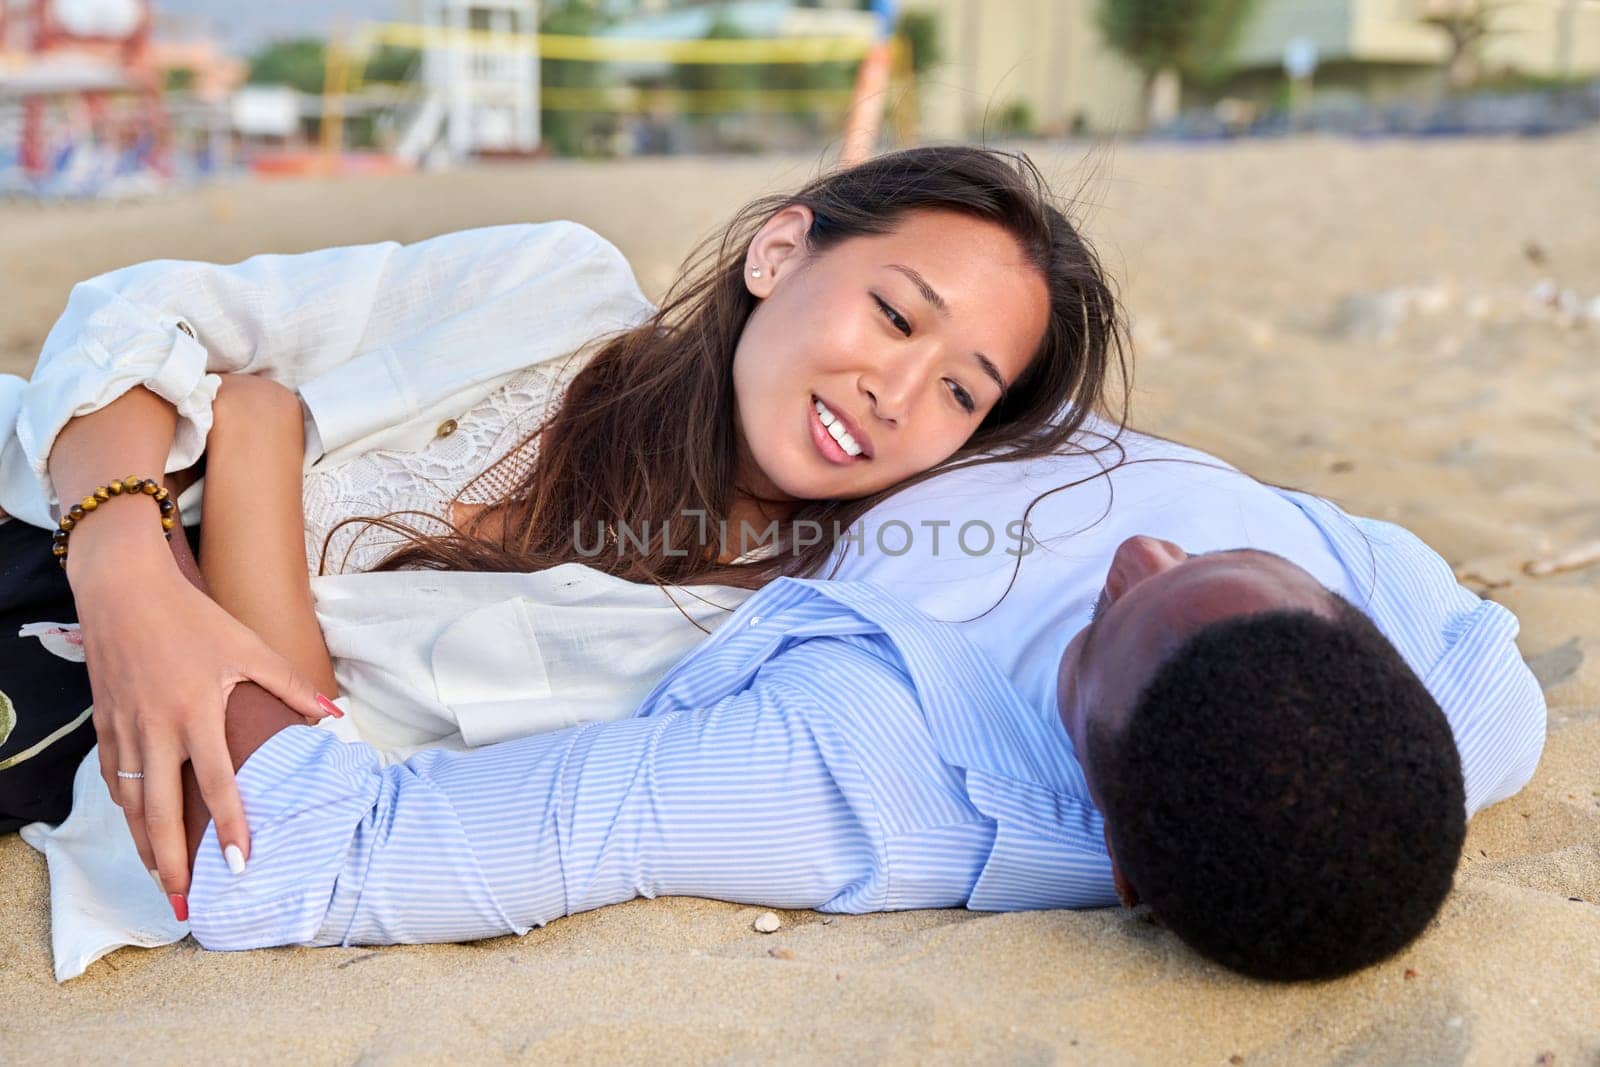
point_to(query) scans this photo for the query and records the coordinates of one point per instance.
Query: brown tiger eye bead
(168, 522)
(160, 493)
(59, 549)
(76, 511)
(102, 493)
(114, 488)
(149, 488)
(168, 507)
(88, 503)
(68, 522)
(131, 484)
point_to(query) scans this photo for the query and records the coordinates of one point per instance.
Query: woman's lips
(831, 450)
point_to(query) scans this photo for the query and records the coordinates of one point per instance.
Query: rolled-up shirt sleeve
(742, 801)
(172, 326)
(1494, 704)
(439, 314)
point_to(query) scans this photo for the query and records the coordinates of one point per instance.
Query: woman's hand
(162, 659)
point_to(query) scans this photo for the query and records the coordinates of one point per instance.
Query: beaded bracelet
(129, 486)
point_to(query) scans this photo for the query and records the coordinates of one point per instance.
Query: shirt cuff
(164, 358)
(305, 794)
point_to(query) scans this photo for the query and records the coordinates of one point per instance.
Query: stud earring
(755, 272)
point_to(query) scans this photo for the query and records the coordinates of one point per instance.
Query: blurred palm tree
(567, 132)
(1465, 24)
(1169, 40)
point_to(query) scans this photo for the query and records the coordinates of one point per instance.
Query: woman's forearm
(252, 545)
(130, 436)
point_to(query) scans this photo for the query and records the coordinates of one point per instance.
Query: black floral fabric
(45, 726)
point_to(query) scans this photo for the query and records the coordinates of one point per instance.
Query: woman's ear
(777, 249)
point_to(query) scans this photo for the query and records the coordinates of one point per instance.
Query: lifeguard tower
(90, 97)
(480, 80)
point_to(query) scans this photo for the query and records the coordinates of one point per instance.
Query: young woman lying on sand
(926, 310)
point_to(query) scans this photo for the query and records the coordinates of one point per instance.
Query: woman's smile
(834, 435)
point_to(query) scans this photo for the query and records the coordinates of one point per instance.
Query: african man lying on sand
(1237, 745)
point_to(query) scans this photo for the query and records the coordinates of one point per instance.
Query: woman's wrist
(122, 537)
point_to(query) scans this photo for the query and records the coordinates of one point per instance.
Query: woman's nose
(890, 400)
(1138, 558)
(892, 385)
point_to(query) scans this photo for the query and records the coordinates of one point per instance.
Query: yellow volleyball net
(612, 49)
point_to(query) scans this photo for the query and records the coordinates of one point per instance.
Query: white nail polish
(235, 857)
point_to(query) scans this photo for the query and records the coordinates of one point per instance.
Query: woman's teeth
(836, 430)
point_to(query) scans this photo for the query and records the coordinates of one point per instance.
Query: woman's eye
(894, 317)
(963, 397)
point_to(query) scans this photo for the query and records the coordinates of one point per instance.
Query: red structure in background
(90, 50)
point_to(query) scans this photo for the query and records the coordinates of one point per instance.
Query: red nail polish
(329, 706)
(180, 906)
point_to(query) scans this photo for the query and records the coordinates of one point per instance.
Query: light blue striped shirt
(1462, 646)
(828, 747)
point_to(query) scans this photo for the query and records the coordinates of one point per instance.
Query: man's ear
(777, 249)
(1125, 891)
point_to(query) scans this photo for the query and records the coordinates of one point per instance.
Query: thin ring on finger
(130, 787)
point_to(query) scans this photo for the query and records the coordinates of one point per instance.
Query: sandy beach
(1412, 329)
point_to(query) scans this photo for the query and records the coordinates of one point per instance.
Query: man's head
(1276, 783)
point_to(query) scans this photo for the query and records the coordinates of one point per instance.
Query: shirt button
(446, 428)
(755, 620)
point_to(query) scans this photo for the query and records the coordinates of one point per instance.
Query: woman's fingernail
(329, 706)
(180, 907)
(235, 857)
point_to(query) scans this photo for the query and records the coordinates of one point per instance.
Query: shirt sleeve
(737, 802)
(1464, 648)
(420, 319)
(1494, 705)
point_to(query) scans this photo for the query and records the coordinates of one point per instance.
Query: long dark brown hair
(645, 432)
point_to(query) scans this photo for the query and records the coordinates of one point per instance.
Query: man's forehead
(1220, 594)
(1213, 594)
(1173, 617)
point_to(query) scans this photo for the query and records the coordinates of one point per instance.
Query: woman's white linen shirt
(390, 346)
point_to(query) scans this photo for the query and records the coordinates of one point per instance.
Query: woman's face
(876, 360)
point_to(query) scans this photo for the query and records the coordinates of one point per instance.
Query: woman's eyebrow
(923, 287)
(931, 296)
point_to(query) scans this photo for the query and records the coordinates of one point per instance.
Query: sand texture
(1410, 328)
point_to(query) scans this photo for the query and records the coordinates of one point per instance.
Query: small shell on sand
(766, 923)
(1571, 560)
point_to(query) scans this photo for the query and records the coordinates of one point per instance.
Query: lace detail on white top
(424, 482)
